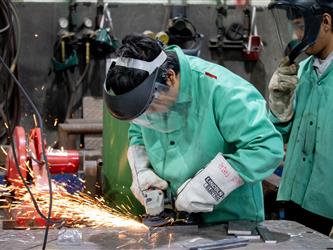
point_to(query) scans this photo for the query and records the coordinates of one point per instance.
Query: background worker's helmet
(323, 6)
(303, 24)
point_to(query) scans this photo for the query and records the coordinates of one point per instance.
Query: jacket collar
(185, 74)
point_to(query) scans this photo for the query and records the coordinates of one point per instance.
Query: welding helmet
(296, 24)
(152, 103)
(135, 102)
(183, 33)
(322, 6)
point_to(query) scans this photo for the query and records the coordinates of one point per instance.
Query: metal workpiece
(301, 237)
(219, 244)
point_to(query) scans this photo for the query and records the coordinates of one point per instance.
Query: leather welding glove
(281, 90)
(208, 187)
(143, 177)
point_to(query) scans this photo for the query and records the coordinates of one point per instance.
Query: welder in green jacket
(301, 108)
(196, 128)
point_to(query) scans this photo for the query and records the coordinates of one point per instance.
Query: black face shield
(134, 103)
(296, 23)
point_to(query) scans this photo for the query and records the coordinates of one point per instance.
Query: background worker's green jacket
(226, 114)
(308, 172)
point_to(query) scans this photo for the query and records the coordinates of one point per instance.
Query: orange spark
(3, 150)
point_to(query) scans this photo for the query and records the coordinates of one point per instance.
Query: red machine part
(253, 52)
(63, 161)
(20, 149)
(59, 161)
(26, 216)
(242, 2)
(31, 161)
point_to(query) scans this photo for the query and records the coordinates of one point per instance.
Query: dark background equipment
(10, 33)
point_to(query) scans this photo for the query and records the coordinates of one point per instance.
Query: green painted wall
(116, 172)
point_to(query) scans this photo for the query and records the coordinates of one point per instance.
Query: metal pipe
(67, 129)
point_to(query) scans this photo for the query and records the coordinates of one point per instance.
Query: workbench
(301, 237)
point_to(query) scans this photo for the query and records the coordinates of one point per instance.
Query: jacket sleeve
(243, 121)
(283, 127)
(135, 135)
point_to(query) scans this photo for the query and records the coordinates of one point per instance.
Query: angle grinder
(160, 210)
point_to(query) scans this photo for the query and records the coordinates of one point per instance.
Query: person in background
(300, 100)
(196, 129)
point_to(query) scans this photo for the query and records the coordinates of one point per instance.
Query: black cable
(40, 123)
(4, 29)
(73, 105)
(9, 92)
(9, 50)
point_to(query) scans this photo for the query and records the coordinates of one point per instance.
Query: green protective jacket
(225, 114)
(308, 172)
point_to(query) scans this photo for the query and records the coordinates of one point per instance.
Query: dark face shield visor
(297, 27)
(134, 103)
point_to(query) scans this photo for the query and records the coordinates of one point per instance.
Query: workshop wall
(229, 2)
(39, 33)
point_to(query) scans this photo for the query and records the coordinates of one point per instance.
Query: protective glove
(143, 177)
(208, 187)
(281, 90)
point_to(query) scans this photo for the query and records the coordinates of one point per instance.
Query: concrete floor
(163, 238)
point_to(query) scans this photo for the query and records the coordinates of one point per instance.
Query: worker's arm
(143, 177)
(240, 113)
(243, 121)
(283, 88)
(135, 135)
(283, 127)
(208, 187)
